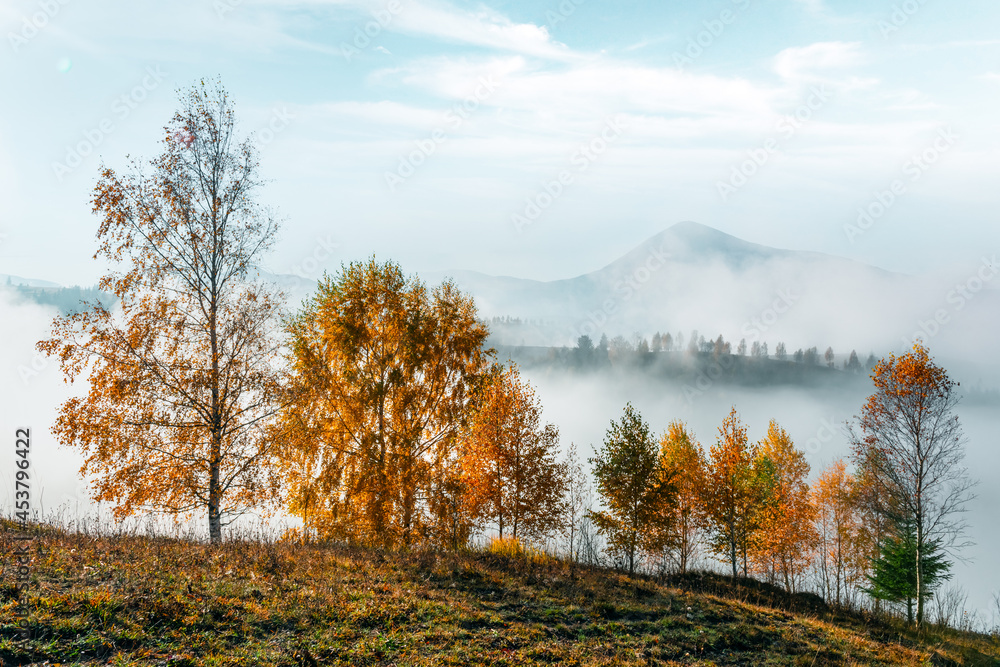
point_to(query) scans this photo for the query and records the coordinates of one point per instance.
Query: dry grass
(132, 600)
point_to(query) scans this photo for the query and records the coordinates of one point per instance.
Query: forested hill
(697, 370)
(65, 299)
(685, 367)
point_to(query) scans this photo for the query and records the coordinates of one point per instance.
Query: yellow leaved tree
(383, 372)
(733, 493)
(509, 459)
(681, 455)
(782, 549)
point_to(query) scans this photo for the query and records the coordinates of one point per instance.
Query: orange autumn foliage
(732, 493)
(781, 548)
(508, 459)
(682, 458)
(911, 450)
(181, 380)
(383, 372)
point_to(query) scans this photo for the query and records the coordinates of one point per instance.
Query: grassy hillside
(130, 600)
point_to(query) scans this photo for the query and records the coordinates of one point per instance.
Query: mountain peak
(693, 242)
(702, 239)
(691, 228)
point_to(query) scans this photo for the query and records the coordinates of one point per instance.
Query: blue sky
(536, 139)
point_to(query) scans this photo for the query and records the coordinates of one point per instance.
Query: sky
(534, 139)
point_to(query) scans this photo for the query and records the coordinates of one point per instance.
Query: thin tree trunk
(499, 489)
(408, 505)
(214, 499)
(378, 520)
(572, 533)
(920, 582)
(732, 548)
(631, 556)
(215, 431)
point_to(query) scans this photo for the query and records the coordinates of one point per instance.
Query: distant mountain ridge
(691, 276)
(18, 281)
(694, 277)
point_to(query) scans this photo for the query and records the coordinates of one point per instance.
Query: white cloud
(540, 111)
(589, 89)
(649, 42)
(817, 61)
(482, 26)
(909, 100)
(385, 113)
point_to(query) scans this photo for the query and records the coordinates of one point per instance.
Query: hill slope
(131, 600)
